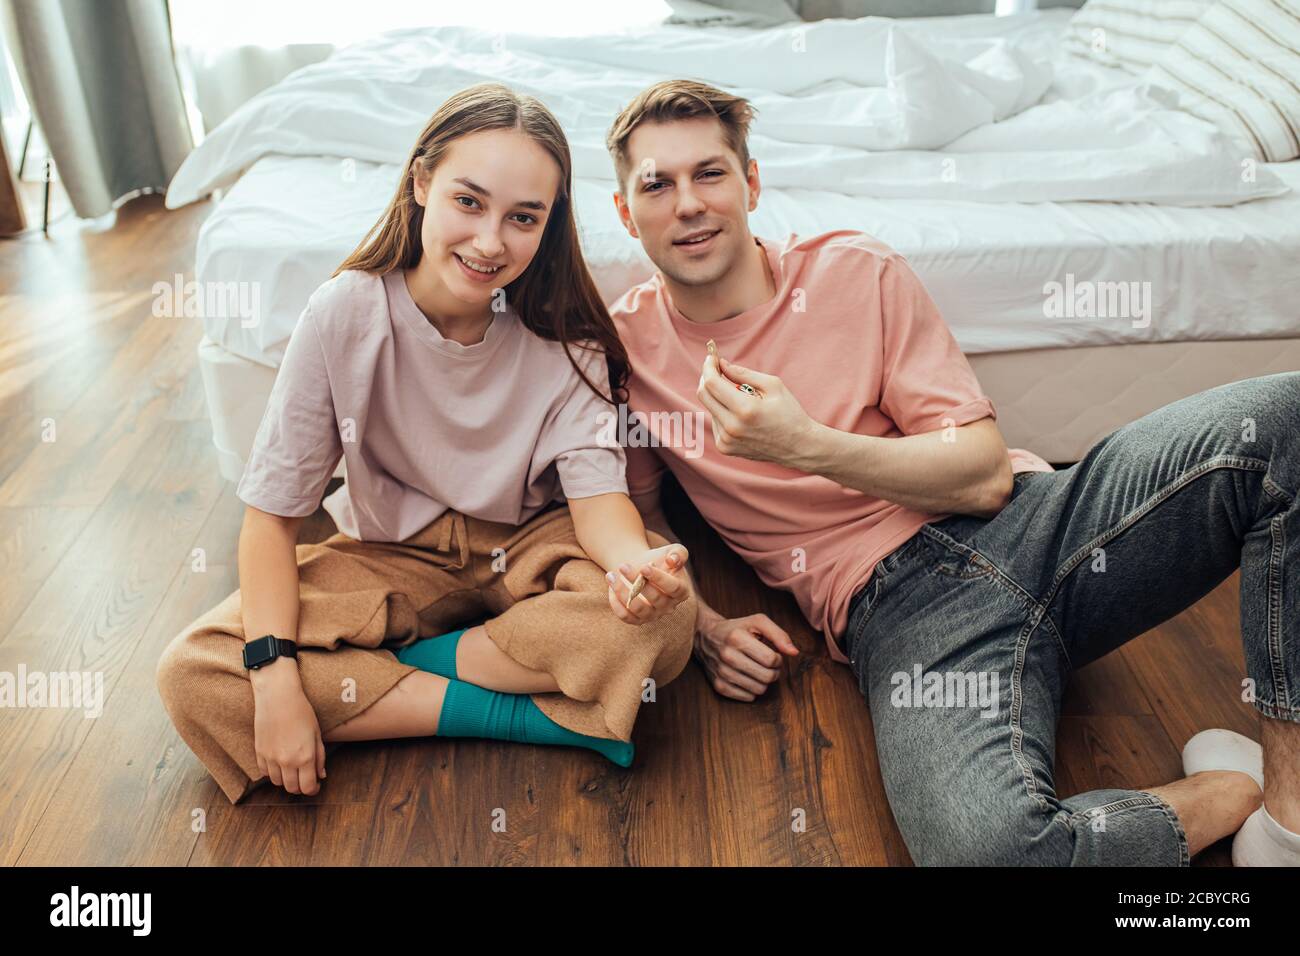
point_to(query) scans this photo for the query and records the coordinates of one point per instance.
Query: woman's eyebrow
(526, 203)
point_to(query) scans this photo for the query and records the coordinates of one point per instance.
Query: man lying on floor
(855, 462)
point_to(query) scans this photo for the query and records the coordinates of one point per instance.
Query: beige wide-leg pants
(544, 602)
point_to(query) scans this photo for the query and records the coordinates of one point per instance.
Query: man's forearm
(968, 474)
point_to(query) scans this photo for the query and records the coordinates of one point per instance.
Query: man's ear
(625, 214)
(755, 187)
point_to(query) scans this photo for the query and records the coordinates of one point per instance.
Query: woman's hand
(666, 585)
(286, 733)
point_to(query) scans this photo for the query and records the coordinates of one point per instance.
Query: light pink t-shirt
(495, 430)
(858, 341)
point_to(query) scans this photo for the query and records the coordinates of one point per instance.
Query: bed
(1217, 268)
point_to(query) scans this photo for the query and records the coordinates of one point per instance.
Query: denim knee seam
(1284, 709)
(1220, 461)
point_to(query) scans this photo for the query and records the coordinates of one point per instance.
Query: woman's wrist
(631, 553)
(275, 677)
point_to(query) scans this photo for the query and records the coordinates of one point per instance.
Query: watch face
(257, 653)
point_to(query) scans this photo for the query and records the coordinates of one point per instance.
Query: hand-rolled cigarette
(745, 387)
(637, 587)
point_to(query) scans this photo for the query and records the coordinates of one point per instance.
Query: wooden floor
(99, 531)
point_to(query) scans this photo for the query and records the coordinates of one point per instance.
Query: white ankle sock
(1224, 750)
(1262, 841)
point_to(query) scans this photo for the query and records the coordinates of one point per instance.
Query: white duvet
(868, 107)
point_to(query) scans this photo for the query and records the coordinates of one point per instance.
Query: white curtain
(15, 111)
(101, 79)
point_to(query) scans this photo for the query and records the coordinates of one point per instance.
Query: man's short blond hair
(679, 100)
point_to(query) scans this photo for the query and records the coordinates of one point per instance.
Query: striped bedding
(1234, 63)
(1131, 34)
(1239, 68)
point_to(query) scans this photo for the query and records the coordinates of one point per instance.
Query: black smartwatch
(266, 649)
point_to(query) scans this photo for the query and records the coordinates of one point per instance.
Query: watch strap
(267, 649)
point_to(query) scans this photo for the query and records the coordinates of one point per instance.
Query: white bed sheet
(877, 107)
(1215, 273)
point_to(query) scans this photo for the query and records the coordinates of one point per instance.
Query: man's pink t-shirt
(495, 430)
(856, 338)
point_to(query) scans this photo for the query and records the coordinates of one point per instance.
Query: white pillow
(1131, 34)
(1239, 68)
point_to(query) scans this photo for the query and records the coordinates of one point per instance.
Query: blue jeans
(963, 638)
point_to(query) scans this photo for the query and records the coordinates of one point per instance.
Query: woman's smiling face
(485, 211)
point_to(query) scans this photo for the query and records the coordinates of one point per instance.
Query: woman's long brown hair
(555, 296)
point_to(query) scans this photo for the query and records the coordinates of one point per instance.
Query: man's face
(686, 183)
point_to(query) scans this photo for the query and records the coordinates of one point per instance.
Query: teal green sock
(437, 655)
(472, 711)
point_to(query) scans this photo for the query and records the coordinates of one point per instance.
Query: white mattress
(1056, 402)
(1214, 272)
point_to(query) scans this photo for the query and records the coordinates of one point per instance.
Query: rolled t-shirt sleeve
(579, 436)
(297, 446)
(926, 381)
